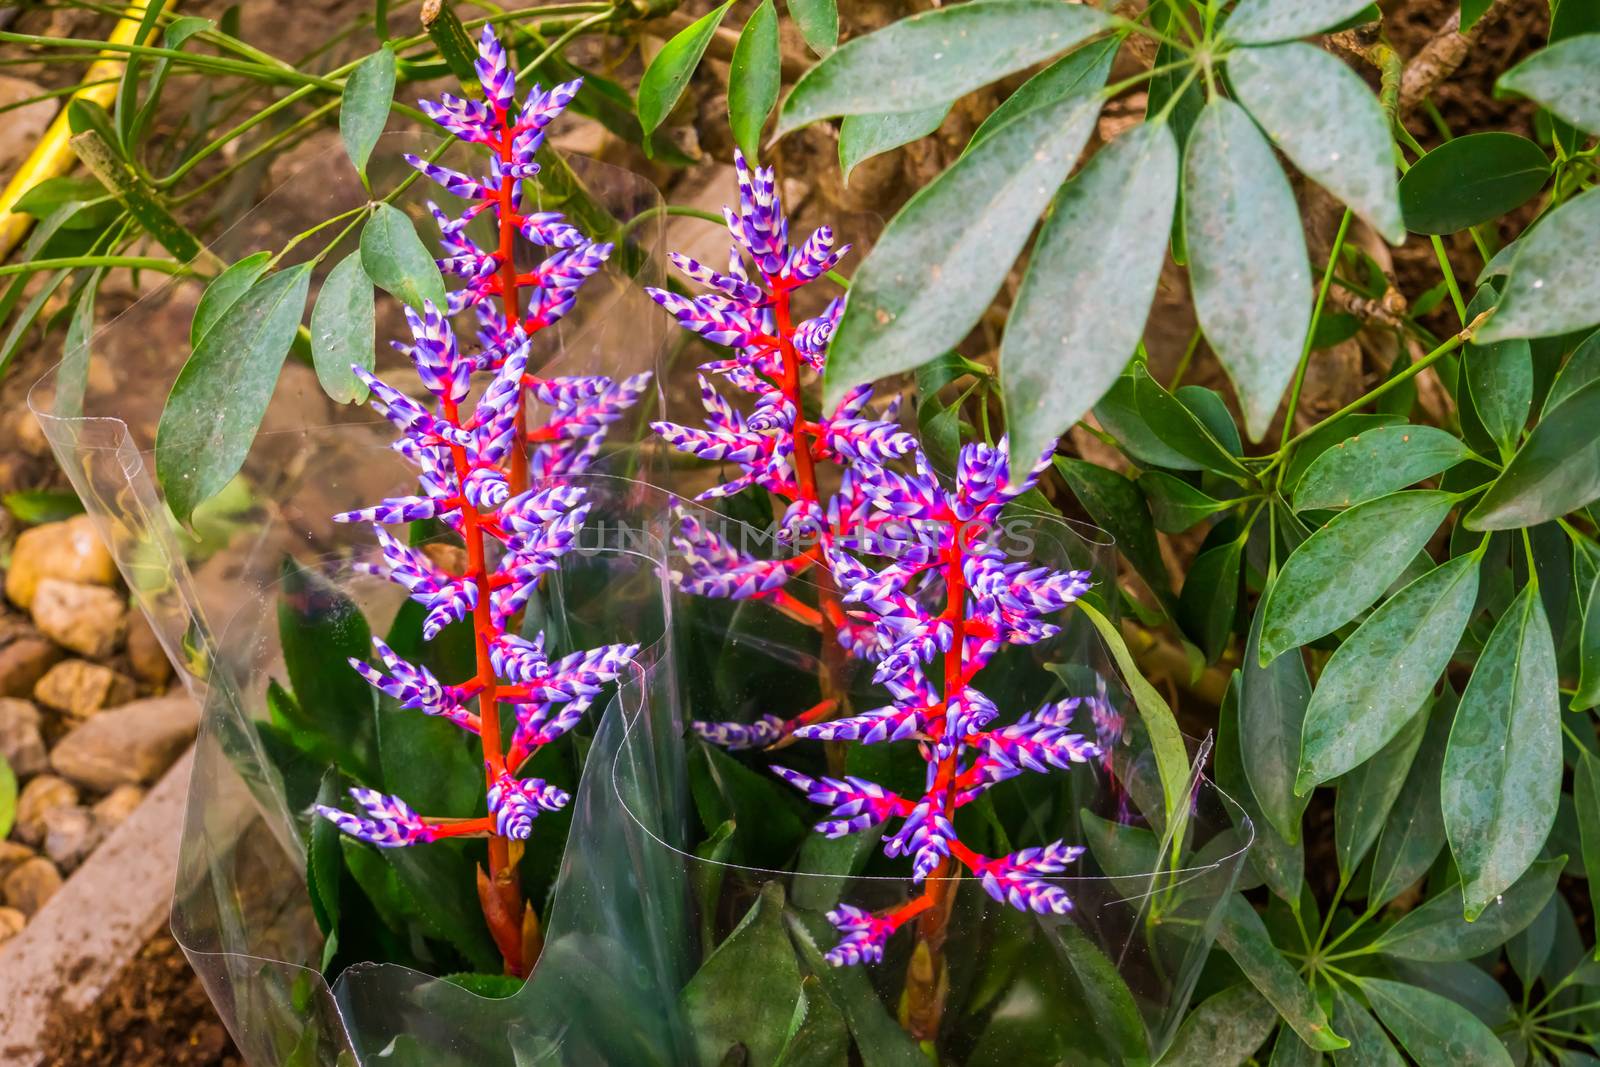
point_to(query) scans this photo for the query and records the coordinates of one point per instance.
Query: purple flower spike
(864, 936)
(389, 821)
(1020, 878)
(494, 72)
(514, 803)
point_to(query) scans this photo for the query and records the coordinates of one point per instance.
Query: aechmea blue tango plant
(498, 485)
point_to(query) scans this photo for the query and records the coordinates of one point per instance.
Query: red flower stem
(511, 303)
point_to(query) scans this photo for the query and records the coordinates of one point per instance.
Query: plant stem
(163, 266)
(1449, 279)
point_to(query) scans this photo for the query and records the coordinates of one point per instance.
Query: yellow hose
(52, 156)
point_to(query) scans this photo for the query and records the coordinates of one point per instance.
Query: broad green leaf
(343, 325)
(1586, 798)
(818, 21)
(1580, 369)
(1247, 257)
(364, 108)
(817, 1034)
(1119, 413)
(397, 261)
(1082, 306)
(1080, 71)
(916, 62)
(1122, 851)
(1561, 77)
(1175, 505)
(1588, 694)
(1323, 438)
(745, 992)
(1529, 950)
(1462, 981)
(1367, 794)
(1222, 1031)
(1471, 179)
(1435, 930)
(1413, 836)
(669, 72)
(1375, 463)
(1550, 289)
(754, 76)
(1177, 426)
(1502, 771)
(1281, 864)
(323, 860)
(8, 797)
(1245, 938)
(1557, 469)
(863, 136)
(221, 394)
(1272, 707)
(224, 291)
(1499, 379)
(1117, 507)
(942, 258)
(1369, 1045)
(1340, 570)
(1384, 672)
(1268, 21)
(1210, 597)
(1436, 1032)
(1323, 116)
(1106, 993)
(1166, 741)
(38, 506)
(320, 630)
(879, 1038)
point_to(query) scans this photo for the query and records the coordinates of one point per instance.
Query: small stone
(81, 688)
(30, 885)
(23, 661)
(39, 798)
(69, 550)
(132, 744)
(11, 923)
(12, 853)
(88, 619)
(20, 741)
(70, 835)
(115, 807)
(145, 654)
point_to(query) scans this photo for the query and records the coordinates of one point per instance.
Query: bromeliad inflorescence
(474, 473)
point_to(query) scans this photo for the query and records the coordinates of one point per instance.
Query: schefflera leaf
(1083, 303)
(1435, 1030)
(863, 136)
(343, 328)
(1245, 938)
(1551, 287)
(1375, 463)
(1502, 771)
(1247, 258)
(1268, 21)
(1327, 121)
(1562, 78)
(945, 254)
(1555, 471)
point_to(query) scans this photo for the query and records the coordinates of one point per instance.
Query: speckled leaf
(1434, 931)
(1323, 116)
(1556, 470)
(1551, 287)
(863, 136)
(1223, 1031)
(1080, 71)
(745, 992)
(1414, 835)
(364, 107)
(1082, 305)
(1266, 21)
(1247, 257)
(1502, 772)
(1369, 1045)
(1377, 462)
(942, 258)
(1367, 794)
(223, 291)
(1272, 709)
(1380, 677)
(397, 261)
(1436, 1032)
(754, 78)
(1245, 938)
(1562, 78)
(343, 324)
(1343, 568)
(818, 21)
(1281, 865)
(1499, 379)
(916, 62)
(1579, 370)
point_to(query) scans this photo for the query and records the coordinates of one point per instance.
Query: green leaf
(1223, 1031)
(221, 394)
(1376, 463)
(1382, 675)
(224, 291)
(364, 108)
(1116, 506)
(1499, 379)
(1289, 1051)
(880, 1040)
(343, 328)
(320, 630)
(1561, 78)
(1175, 505)
(669, 72)
(1166, 741)
(38, 506)
(1323, 116)
(1247, 258)
(754, 76)
(1588, 694)
(945, 254)
(916, 62)
(323, 859)
(1210, 597)
(1435, 931)
(1273, 700)
(745, 992)
(1268, 21)
(1179, 427)
(1093, 272)
(1323, 438)
(1556, 471)
(1502, 771)
(818, 1036)
(1280, 862)
(1080, 71)
(819, 23)
(397, 261)
(1118, 412)
(1414, 834)
(1340, 570)
(1106, 993)
(1550, 289)
(1245, 938)
(1580, 369)
(1369, 1045)
(1367, 794)
(1471, 179)
(1586, 798)
(8, 797)
(1436, 1032)
(863, 136)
